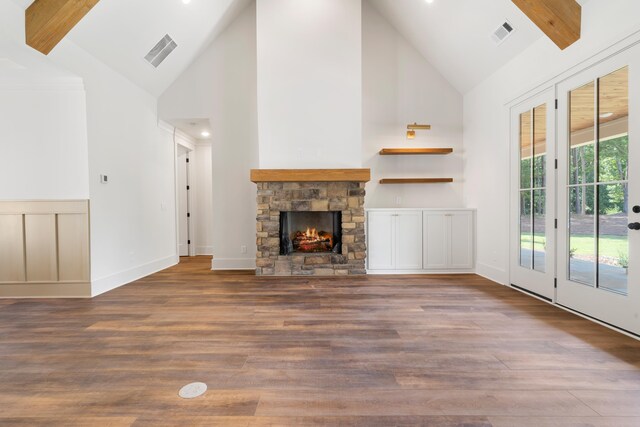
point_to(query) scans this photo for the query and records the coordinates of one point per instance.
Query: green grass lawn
(610, 246)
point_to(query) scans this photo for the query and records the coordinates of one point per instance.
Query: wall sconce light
(411, 129)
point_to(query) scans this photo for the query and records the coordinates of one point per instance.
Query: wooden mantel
(310, 175)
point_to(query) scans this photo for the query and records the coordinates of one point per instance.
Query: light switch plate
(104, 179)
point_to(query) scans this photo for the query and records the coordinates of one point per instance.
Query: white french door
(599, 191)
(533, 183)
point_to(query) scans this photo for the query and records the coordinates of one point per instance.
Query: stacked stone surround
(276, 197)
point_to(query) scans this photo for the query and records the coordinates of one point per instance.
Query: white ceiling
(120, 33)
(455, 35)
(192, 127)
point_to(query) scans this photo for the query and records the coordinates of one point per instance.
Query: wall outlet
(243, 249)
(398, 200)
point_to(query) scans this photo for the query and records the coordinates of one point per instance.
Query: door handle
(634, 226)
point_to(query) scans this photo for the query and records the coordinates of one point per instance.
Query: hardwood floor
(371, 351)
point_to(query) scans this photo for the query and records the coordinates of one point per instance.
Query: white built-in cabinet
(420, 240)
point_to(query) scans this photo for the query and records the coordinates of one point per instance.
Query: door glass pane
(526, 237)
(613, 191)
(526, 150)
(539, 227)
(582, 243)
(582, 121)
(613, 126)
(613, 244)
(539, 146)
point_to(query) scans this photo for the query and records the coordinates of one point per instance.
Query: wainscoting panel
(73, 247)
(44, 249)
(12, 268)
(40, 245)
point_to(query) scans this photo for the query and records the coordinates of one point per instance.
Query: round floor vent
(193, 390)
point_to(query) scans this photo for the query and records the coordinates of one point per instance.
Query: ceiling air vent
(502, 32)
(160, 51)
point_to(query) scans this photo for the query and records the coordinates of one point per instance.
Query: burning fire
(312, 240)
(312, 234)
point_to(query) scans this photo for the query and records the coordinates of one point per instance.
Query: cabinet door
(435, 229)
(380, 236)
(409, 240)
(461, 240)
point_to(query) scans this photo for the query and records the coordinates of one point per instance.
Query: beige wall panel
(46, 290)
(42, 262)
(73, 247)
(44, 207)
(11, 249)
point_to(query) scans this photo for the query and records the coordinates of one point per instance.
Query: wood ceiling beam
(48, 21)
(560, 20)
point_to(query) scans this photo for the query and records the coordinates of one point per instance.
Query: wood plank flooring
(371, 351)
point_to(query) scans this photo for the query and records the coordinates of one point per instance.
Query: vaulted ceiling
(120, 33)
(453, 35)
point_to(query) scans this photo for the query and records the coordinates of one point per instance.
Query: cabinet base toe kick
(420, 272)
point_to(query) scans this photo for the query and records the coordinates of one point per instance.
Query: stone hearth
(344, 196)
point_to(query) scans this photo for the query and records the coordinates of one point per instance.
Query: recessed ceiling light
(605, 115)
(205, 134)
(429, 1)
(186, 1)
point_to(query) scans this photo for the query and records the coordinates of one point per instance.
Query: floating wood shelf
(416, 180)
(312, 175)
(414, 151)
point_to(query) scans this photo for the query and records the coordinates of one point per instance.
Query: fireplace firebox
(310, 232)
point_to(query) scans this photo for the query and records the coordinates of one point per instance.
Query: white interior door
(599, 185)
(533, 195)
(183, 201)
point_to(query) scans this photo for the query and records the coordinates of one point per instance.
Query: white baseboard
(233, 263)
(494, 274)
(183, 250)
(204, 250)
(108, 283)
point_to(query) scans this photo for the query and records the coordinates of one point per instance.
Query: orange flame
(312, 233)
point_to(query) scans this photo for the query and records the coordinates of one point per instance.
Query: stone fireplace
(310, 222)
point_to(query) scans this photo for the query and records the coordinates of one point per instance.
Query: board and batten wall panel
(11, 249)
(40, 248)
(44, 249)
(73, 247)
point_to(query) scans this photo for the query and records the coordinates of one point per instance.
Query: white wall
(66, 118)
(221, 85)
(133, 216)
(309, 83)
(44, 142)
(11, 21)
(401, 87)
(486, 138)
(204, 199)
(43, 147)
